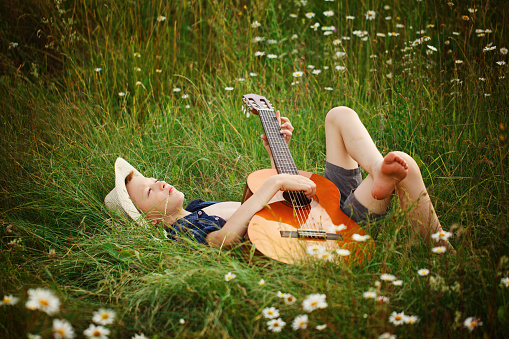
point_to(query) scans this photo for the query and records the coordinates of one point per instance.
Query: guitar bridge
(311, 234)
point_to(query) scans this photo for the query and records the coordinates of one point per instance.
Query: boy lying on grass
(348, 147)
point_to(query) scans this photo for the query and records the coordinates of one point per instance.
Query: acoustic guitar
(292, 228)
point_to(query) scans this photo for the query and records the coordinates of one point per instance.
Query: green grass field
(160, 84)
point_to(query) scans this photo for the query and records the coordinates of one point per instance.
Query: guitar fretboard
(280, 152)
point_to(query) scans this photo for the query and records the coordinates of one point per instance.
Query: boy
(348, 147)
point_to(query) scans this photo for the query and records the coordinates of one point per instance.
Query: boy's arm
(236, 227)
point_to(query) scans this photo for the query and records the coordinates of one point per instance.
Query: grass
(64, 124)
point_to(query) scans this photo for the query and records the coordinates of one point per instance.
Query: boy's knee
(335, 115)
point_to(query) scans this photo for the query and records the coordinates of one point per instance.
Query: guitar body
(265, 228)
(291, 225)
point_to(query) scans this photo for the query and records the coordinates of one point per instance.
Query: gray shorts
(347, 180)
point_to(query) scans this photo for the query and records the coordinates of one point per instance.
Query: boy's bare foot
(392, 170)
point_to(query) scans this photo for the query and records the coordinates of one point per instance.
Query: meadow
(160, 83)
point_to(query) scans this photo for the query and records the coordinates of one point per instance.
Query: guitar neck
(280, 152)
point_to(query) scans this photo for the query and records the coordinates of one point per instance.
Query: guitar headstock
(254, 103)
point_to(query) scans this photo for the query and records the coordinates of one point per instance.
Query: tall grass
(64, 124)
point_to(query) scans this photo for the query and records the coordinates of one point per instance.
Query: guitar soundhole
(297, 199)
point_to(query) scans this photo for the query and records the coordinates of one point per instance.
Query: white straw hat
(118, 199)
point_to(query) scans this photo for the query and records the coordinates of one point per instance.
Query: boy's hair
(129, 177)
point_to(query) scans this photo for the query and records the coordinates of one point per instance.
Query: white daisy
(387, 277)
(229, 276)
(258, 39)
(340, 54)
(503, 50)
(289, 299)
(44, 300)
(176, 89)
(411, 319)
(441, 235)
(340, 68)
(397, 282)
(259, 53)
(310, 15)
(387, 335)
(321, 327)
(300, 322)
(328, 88)
(328, 13)
(276, 325)
(121, 94)
(261, 282)
(316, 71)
(313, 302)
(439, 249)
(343, 252)
(370, 15)
(62, 329)
(501, 63)
(161, 18)
(297, 74)
(397, 318)
(336, 42)
(271, 56)
(369, 295)
(104, 316)
(96, 332)
(423, 272)
(182, 321)
(383, 299)
(433, 48)
(315, 249)
(471, 323)
(270, 312)
(98, 69)
(360, 238)
(139, 336)
(350, 17)
(256, 24)
(505, 282)
(252, 74)
(9, 300)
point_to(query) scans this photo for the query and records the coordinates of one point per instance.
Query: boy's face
(156, 198)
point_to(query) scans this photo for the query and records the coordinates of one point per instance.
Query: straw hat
(118, 199)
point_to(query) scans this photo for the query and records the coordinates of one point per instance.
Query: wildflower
(397, 318)
(472, 322)
(229, 276)
(340, 68)
(397, 282)
(9, 300)
(411, 319)
(400, 26)
(340, 54)
(325, 256)
(98, 69)
(182, 321)
(33, 336)
(121, 94)
(139, 336)
(370, 15)
(321, 327)
(350, 17)
(472, 10)
(441, 235)
(137, 55)
(338, 41)
(487, 31)
(393, 34)
(104, 317)
(313, 302)
(161, 18)
(272, 42)
(62, 329)
(295, 36)
(358, 237)
(289, 299)
(256, 24)
(423, 272)
(316, 71)
(503, 50)
(433, 48)
(293, 15)
(387, 335)
(187, 106)
(328, 88)
(280, 294)
(337, 228)
(504, 282)
(159, 70)
(315, 249)
(465, 17)
(315, 26)
(185, 96)
(300, 322)
(270, 312)
(96, 332)
(176, 89)
(369, 295)
(439, 249)
(325, 67)
(297, 74)
(489, 48)
(482, 79)
(311, 66)
(387, 277)
(271, 56)
(327, 33)
(252, 74)
(501, 63)
(13, 45)
(276, 325)
(310, 15)
(261, 282)
(343, 252)
(383, 299)
(138, 83)
(328, 13)
(258, 39)
(44, 300)
(487, 94)
(380, 35)
(259, 53)
(137, 69)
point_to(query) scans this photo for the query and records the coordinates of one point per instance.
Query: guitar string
(296, 197)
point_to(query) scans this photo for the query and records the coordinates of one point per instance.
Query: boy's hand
(286, 130)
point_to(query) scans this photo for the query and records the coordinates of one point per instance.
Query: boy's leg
(349, 143)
